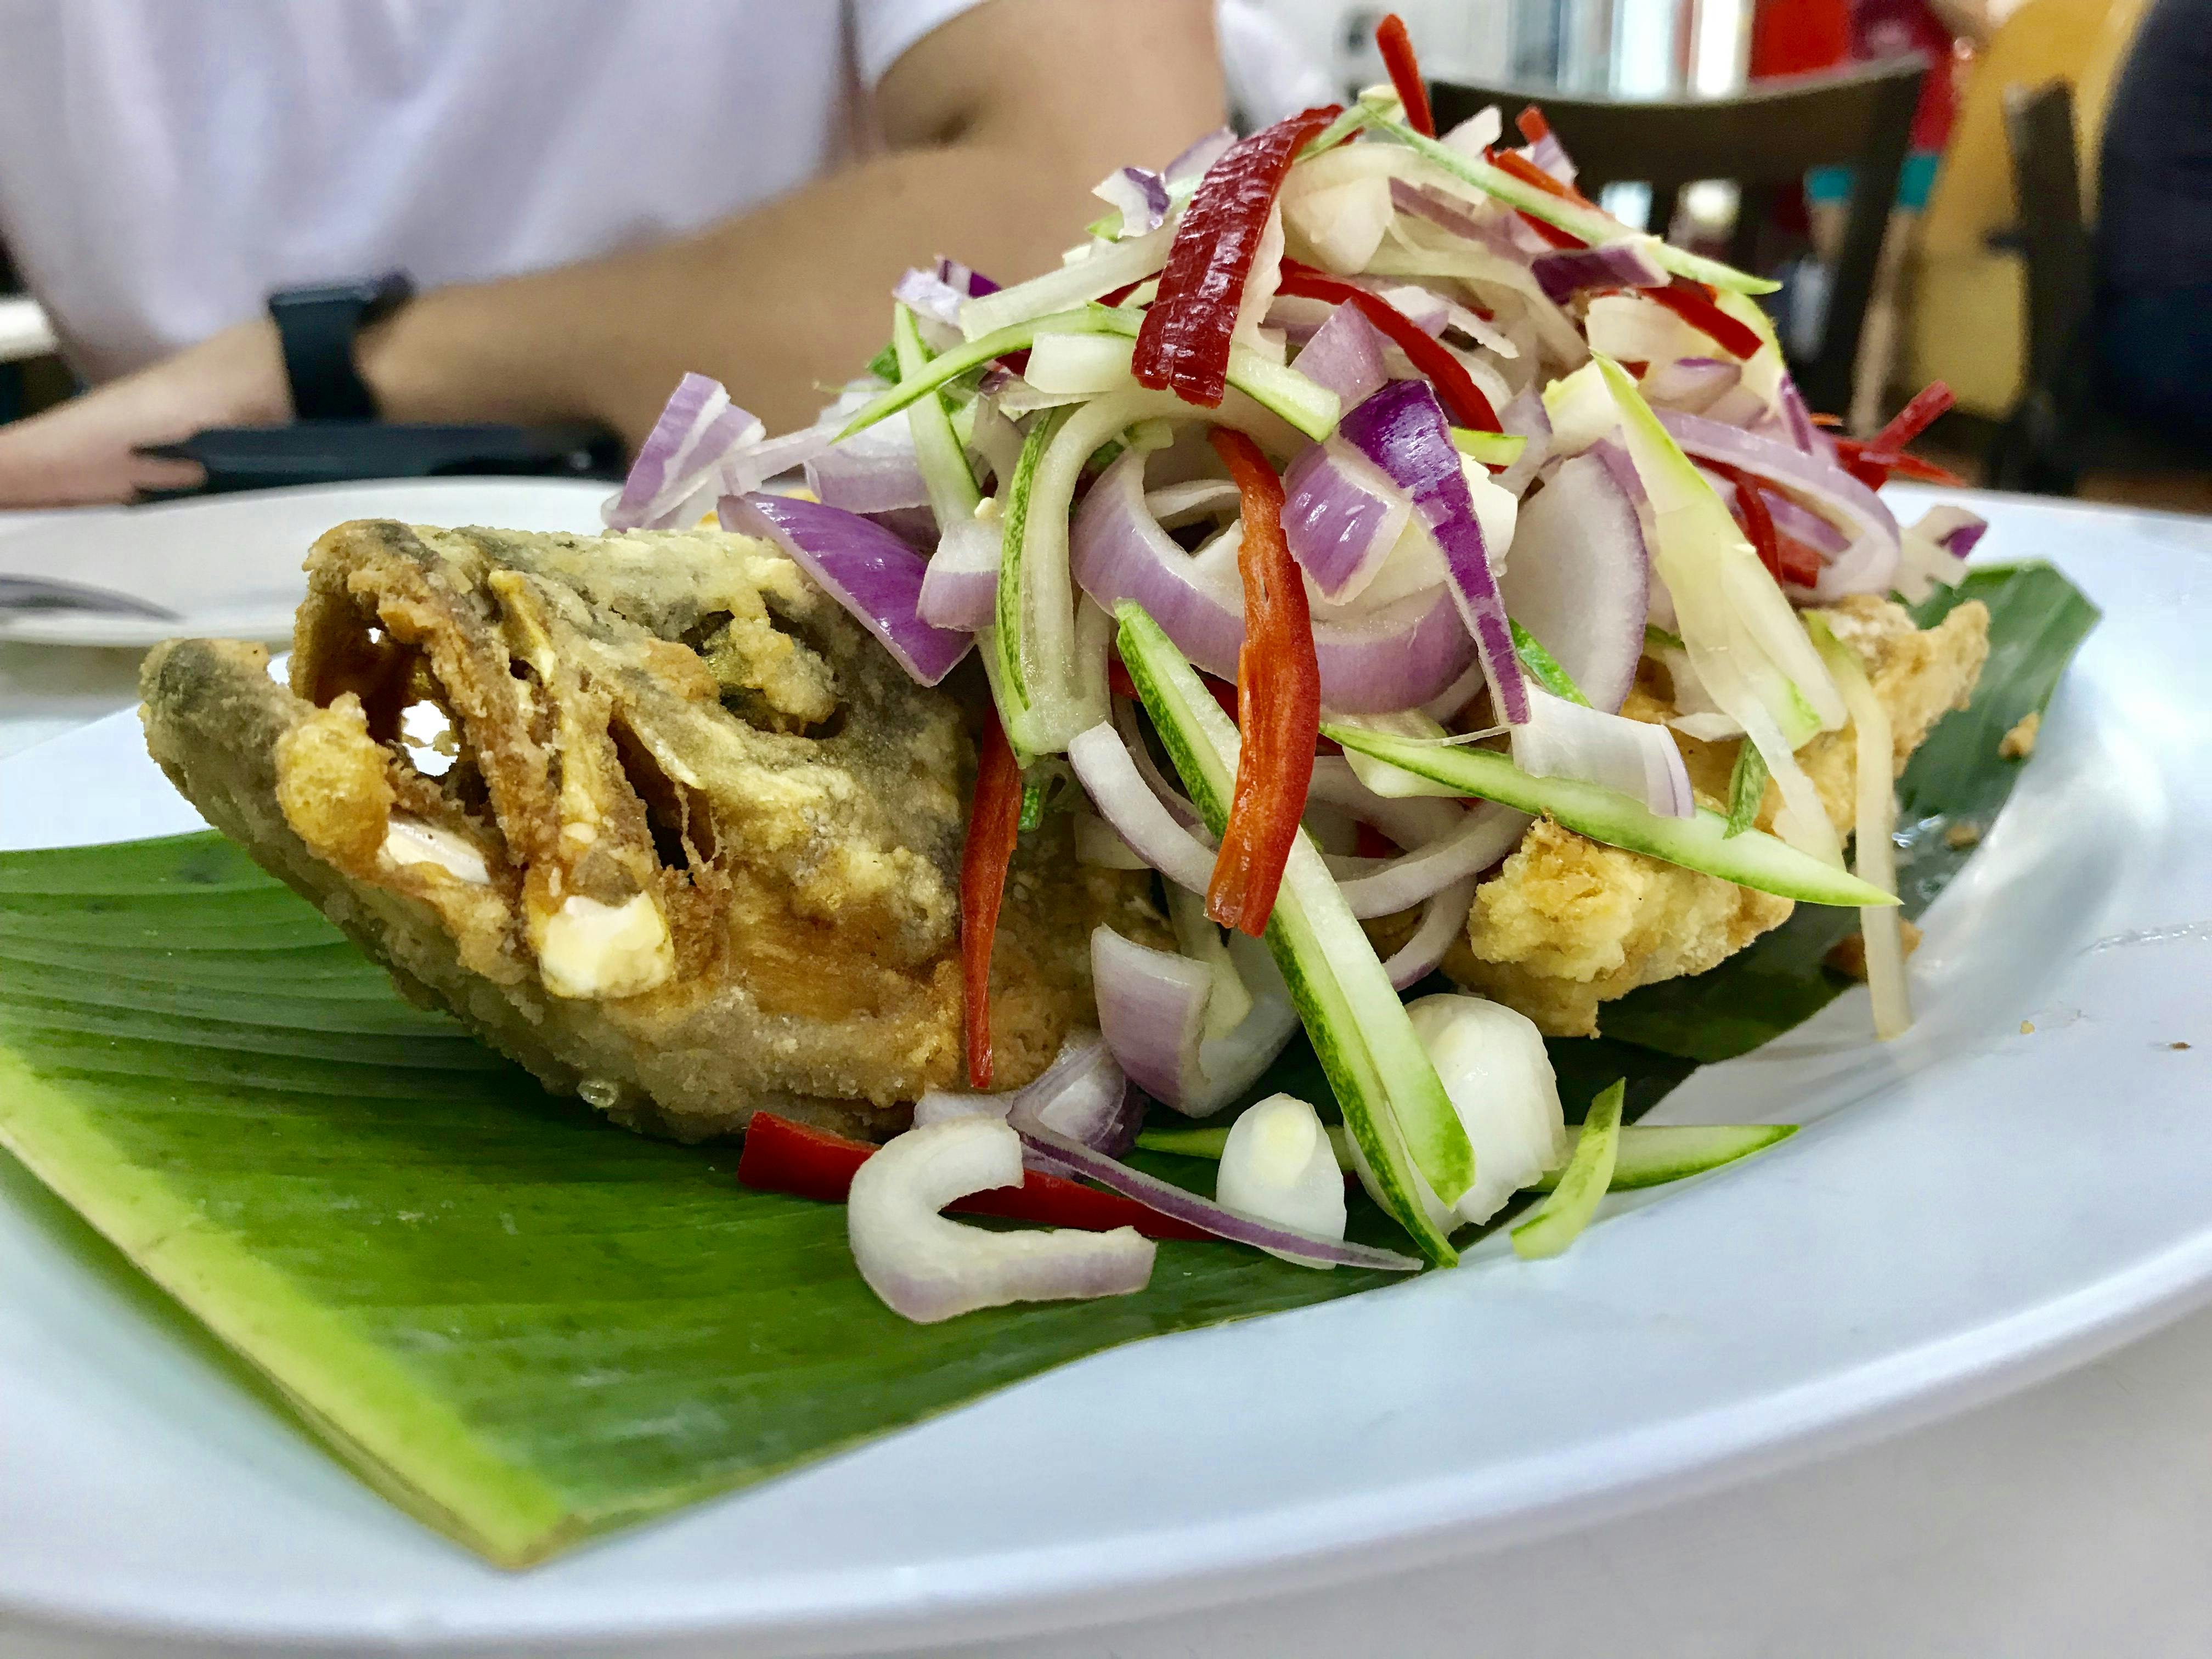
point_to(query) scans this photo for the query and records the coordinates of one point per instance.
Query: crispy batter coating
(1568, 923)
(697, 849)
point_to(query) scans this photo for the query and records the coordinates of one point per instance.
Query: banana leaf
(523, 1325)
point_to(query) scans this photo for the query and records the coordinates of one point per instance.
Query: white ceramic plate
(229, 565)
(1969, 1208)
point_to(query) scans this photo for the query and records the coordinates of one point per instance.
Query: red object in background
(1278, 701)
(994, 821)
(1397, 49)
(783, 1157)
(1519, 166)
(1799, 37)
(1463, 400)
(1184, 342)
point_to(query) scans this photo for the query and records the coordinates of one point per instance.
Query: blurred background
(2073, 344)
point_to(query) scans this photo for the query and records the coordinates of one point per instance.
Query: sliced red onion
(927, 1267)
(1484, 836)
(1402, 655)
(1110, 777)
(1082, 1095)
(969, 283)
(1580, 577)
(1138, 194)
(1952, 529)
(1153, 1007)
(1804, 437)
(1411, 821)
(1820, 480)
(1524, 416)
(1129, 723)
(1475, 135)
(1441, 211)
(874, 574)
(936, 306)
(874, 471)
(1625, 264)
(943, 1105)
(1346, 356)
(697, 427)
(1443, 918)
(960, 588)
(1341, 515)
(1069, 1157)
(1196, 498)
(1203, 153)
(1690, 384)
(1401, 428)
(1807, 526)
(1550, 155)
(1635, 758)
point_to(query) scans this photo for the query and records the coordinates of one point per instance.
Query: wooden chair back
(1765, 139)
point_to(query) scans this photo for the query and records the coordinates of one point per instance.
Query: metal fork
(21, 594)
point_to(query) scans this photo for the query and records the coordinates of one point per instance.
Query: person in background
(1798, 37)
(2153, 319)
(592, 197)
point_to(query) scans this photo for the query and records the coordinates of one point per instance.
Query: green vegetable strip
(1013, 627)
(1746, 788)
(1649, 1154)
(1543, 668)
(958, 361)
(1560, 1218)
(943, 465)
(1392, 1102)
(1658, 639)
(1754, 858)
(1491, 448)
(1593, 225)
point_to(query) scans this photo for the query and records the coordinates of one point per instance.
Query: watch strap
(317, 327)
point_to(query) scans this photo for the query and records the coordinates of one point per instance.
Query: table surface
(2073, 1518)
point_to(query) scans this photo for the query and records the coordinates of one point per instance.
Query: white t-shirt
(165, 164)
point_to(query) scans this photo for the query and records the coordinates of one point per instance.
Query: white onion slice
(1153, 1010)
(1580, 577)
(1277, 1164)
(1443, 918)
(927, 1268)
(1342, 515)
(1346, 356)
(1563, 739)
(1111, 778)
(1402, 655)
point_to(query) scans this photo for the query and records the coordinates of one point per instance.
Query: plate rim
(1920, 1383)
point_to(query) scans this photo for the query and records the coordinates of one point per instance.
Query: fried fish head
(648, 811)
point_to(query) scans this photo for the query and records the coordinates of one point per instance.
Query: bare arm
(997, 124)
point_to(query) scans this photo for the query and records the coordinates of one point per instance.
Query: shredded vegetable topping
(1399, 426)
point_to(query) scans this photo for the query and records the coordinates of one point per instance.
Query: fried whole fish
(649, 812)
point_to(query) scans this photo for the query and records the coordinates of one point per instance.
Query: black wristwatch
(317, 327)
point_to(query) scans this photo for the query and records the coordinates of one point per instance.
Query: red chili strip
(1533, 127)
(780, 1156)
(1462, 398)
(1397, 49)
(1872, 464)
(1277, 701)
(1786, 558)
(1184, 342)
(994, 824)
(1513, 161)
(1694, 305)
(1915, 418)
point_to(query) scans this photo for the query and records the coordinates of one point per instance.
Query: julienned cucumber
(1590, 223)
(1491, 448)
(1392, 1102)
(1649, 1154)
(1013, 614)
(1306, 404)
(1556, 1223)
(1702, 842)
